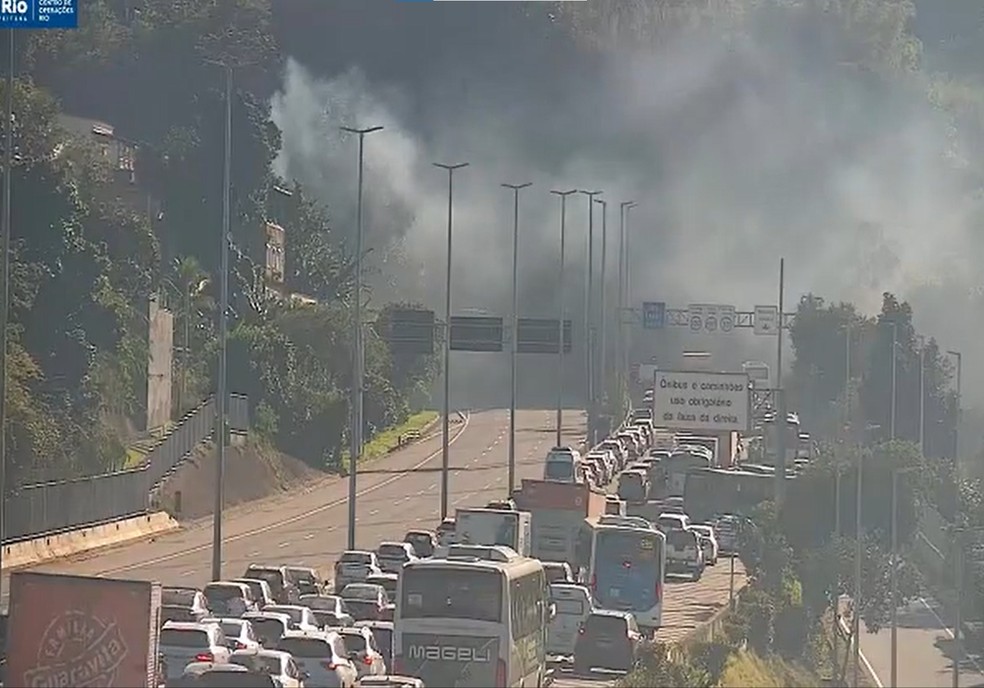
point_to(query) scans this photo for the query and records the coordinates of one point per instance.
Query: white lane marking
(283, 544)
(254, 554)
(374, 512)
(949, 633)
(288, 521)
(187, 573)
(309, 536)
(431, 487)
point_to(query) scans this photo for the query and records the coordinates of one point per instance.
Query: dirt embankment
(251, 472)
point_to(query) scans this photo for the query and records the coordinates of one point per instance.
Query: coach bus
(678, 464)
(474, 619)
(711, 491)
(623, 559)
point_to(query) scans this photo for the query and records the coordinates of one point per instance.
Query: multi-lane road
(925, 649)
(309, 527)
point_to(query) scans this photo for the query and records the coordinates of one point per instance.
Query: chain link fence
(49, 507)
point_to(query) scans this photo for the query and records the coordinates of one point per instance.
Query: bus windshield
(457, 594)
(627, 569)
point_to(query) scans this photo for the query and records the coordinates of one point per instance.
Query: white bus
(678, 464)
(623, 560)
(476, 619)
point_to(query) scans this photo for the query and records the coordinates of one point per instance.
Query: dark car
(607, 640)
(424, 542)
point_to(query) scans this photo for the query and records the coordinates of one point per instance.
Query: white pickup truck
(684, 554)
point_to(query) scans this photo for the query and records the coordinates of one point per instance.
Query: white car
(239, 633)
(191, 599)
(262, 593)
(331, 605)
(354, 566)
(708, 542)
(393, 555)
(573, 607)
(301, 618)
(321, 656)
(182, 643)
(277, 665)
(363, 652)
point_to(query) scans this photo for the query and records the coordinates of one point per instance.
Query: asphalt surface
(925, 650)
(309, 528)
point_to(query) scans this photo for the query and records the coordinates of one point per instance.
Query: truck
(557, 511)
(493, 527)
(82, 631)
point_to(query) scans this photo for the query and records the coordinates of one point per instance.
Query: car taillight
(367, 660)
(500, 674)
(240, 646)
(580, 630)
(204, 657)
(658, 589)
(330, 666)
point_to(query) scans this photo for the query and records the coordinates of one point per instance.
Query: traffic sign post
(653, 315)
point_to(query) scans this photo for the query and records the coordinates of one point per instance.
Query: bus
(678, 464)
(474, 619)
(623, 559)
(711, 491)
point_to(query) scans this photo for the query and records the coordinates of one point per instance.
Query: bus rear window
(459, 594)
(619, 546)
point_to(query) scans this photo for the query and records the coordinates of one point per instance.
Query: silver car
(322, 657)
(183, 643)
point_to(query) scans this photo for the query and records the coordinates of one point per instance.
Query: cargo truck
(493, 527)
(557, 510)
(82, 631)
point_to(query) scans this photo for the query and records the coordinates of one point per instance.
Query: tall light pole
(588, 322)
(8, 164)
(560, 313)
(222, 394)
(622, 358)
(858, 535)
(446, 422)
(514, 349)
(895, 357)
(958, 536)
(358, 345)
(895, 575)
(922, 397)
(602, 308)
(628, 283)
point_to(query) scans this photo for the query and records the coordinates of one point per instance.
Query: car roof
(385, 575)
(261, 652)
(374, 623)
(268, 614)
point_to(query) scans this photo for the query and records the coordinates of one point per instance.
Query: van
(560, 464)
(573, 605)
(684, 554)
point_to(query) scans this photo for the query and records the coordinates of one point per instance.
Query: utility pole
(514, 349)
(895, 345)
(446, 423)
(895, 580)
(602, 308)
(358, 345)
(782, 422)
(628, 284)
(856, 621)
(922, 397)
(8, 169)
(560, 314)
(589, 321)
(622, 358)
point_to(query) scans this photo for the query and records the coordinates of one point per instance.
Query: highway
(925, 645)
(308, 528)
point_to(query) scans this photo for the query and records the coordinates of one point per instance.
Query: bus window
(466, 595)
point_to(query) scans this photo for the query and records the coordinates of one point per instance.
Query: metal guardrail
(59, 505)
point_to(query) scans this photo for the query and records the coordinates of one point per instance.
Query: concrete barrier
(42, 549)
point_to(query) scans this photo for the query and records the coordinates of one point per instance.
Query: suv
(283, 591)
(355, 565)
(607, 640)
(322, 656)
(684, 554)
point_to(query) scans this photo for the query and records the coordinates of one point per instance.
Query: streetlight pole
(588, 324)
(956, 432)
(358, 345)
(560, 313)
(856, 621)
(220, 402)
(958, 536)
(622, 357)
(629, 205)
(516, 188)
(895, 357)
(922, 397)
(446, 424)
(8, 165)
(602, 308)
(895, 580)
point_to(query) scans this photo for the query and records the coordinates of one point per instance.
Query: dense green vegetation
(89, 252)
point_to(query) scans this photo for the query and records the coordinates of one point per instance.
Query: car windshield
(356, 558)
(184, 637)
(605, 625)
(296, 614)
(322, 602)
(360, 592)
(326, 618)
(354, 642)
(268, 630)
(305, 647)
(258, 663)
(232, 629)
(177, 596)
(703, 530)
(273, 577)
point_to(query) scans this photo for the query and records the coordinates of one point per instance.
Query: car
(668, 521)
(558, 572)
(268, 627)
(182, 643)
(445, 532)
(393, 555)
(228, 599)
(174, 612)
(684, 554)
(382, 631)
(389, 581)
(573, 606)
(262, 594)
(301, 617)
(367, 601)
(284, 592)
(322, 656)
(363, 652)
(424, 542)
(709, 542)
(189, 598)
(239, 633)
(633, 486)
(608, 640)
(355, 565)
(501, 505)
(614, 506)
(278, 665)
(328, 604)
(390, 681)
(305, 579)
(214, 675)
